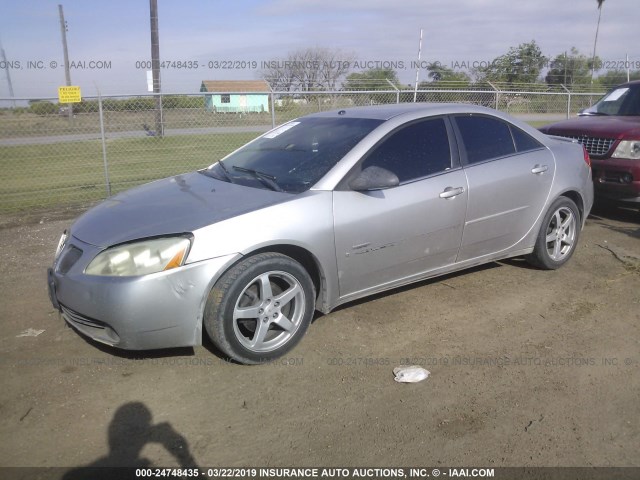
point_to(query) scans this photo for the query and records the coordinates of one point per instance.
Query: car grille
(595, 146)
(75, 317)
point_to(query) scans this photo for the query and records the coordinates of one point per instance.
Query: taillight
(586, 156)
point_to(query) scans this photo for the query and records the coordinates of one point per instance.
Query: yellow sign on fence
(69, 94)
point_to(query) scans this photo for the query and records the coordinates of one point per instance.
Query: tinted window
(524, 141)
(415, 151)
(485, 138)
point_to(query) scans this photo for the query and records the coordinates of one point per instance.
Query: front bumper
(160, 310)
(617, 179)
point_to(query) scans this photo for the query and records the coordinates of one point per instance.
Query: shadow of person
(129, 431)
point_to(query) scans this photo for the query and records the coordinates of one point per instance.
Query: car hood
(170, 206)
(596, 126)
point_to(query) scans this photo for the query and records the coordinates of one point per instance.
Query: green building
(236, 96)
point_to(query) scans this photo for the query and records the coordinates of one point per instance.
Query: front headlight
(628, 149)
(61, 244)
(140, 258)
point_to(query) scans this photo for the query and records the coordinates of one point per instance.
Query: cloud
(465, 30)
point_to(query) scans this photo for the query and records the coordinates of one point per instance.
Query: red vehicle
(610, 131)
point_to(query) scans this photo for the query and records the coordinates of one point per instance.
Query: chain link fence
(55, 155)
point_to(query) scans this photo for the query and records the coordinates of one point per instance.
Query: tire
(260, 308)
(558, 236)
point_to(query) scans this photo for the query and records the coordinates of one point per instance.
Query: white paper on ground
(412, 374)
(30, 332)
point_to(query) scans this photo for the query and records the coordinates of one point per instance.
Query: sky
(109, 42)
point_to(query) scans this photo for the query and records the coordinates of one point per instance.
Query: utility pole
(415, 90)
(155, 64)
(626, 63)
(595, 42)
(67, 73)
(3, 56)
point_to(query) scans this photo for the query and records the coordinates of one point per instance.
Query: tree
(43, 107)
(307, 70)
(570, 69)
(441, 76)
(519, 65)
(616, 77)
(439, 73)
(373, 79)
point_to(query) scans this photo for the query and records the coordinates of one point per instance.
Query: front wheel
(260, 308)
(558, 236)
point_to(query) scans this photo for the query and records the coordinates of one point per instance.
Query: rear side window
(415, 151)
(524, 141)
(484, 138)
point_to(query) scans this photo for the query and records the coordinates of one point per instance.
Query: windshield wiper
(588, 114)
(225, 171)
(264, 178)
(209, 172)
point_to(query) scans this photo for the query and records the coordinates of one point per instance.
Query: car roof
(386, 112)
(629, 84)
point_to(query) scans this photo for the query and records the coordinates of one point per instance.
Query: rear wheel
(260, 308)
(558, 235)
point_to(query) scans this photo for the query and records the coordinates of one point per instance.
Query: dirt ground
(528, 368)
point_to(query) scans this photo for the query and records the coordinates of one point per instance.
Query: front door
(387, 236)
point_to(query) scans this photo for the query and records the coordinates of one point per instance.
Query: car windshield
(620, 101)
(294, 156)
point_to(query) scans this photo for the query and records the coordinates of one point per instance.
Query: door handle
(539, 169)
(451, 192)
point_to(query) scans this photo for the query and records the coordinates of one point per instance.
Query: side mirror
(374, 178)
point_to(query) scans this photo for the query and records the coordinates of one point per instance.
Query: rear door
(509, 175)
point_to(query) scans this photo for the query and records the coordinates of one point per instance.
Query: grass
(59, 174)
(26, 124)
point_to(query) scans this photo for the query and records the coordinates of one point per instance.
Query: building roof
(232, 86)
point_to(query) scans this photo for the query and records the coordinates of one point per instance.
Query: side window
(524, 141)
(415, 151)
(484, 137)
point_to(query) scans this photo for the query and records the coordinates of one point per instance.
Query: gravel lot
(528, 368)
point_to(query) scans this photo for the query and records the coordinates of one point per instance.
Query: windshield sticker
(279, 130)
(616, 94)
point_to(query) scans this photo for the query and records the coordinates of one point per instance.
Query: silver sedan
(320, 211)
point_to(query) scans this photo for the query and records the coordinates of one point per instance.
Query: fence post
(104, 147)
(568, 101)
(396, 89)
(497, 94)
(159, 118)
(273, 110)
